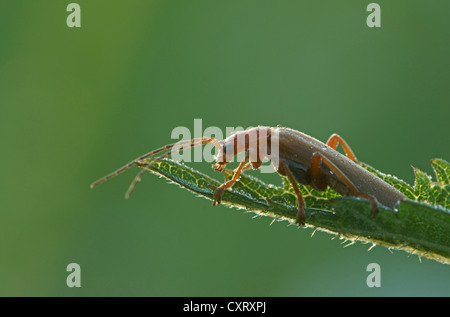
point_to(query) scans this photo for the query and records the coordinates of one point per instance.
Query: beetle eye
(228, 148)
(226, 153)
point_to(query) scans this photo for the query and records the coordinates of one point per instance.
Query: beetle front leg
(237, 172)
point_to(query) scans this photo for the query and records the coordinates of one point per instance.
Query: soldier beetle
(299, 157)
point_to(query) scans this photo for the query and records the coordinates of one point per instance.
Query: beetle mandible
(300, 157)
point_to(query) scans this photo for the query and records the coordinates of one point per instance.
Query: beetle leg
(333, 143)
(373, 202)
(301, 203)
(319, 181)
(237, 172)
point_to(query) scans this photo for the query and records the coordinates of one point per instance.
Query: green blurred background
(78, 103)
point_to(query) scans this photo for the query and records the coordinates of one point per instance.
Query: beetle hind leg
(336, 139)
(319, 181)
(373, 203)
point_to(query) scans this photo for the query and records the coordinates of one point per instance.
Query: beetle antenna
(133, 184)
(148, 166)
(145, 156)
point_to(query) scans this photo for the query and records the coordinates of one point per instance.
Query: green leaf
(420, 226)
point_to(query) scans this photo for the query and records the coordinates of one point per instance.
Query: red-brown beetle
(299, 157)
